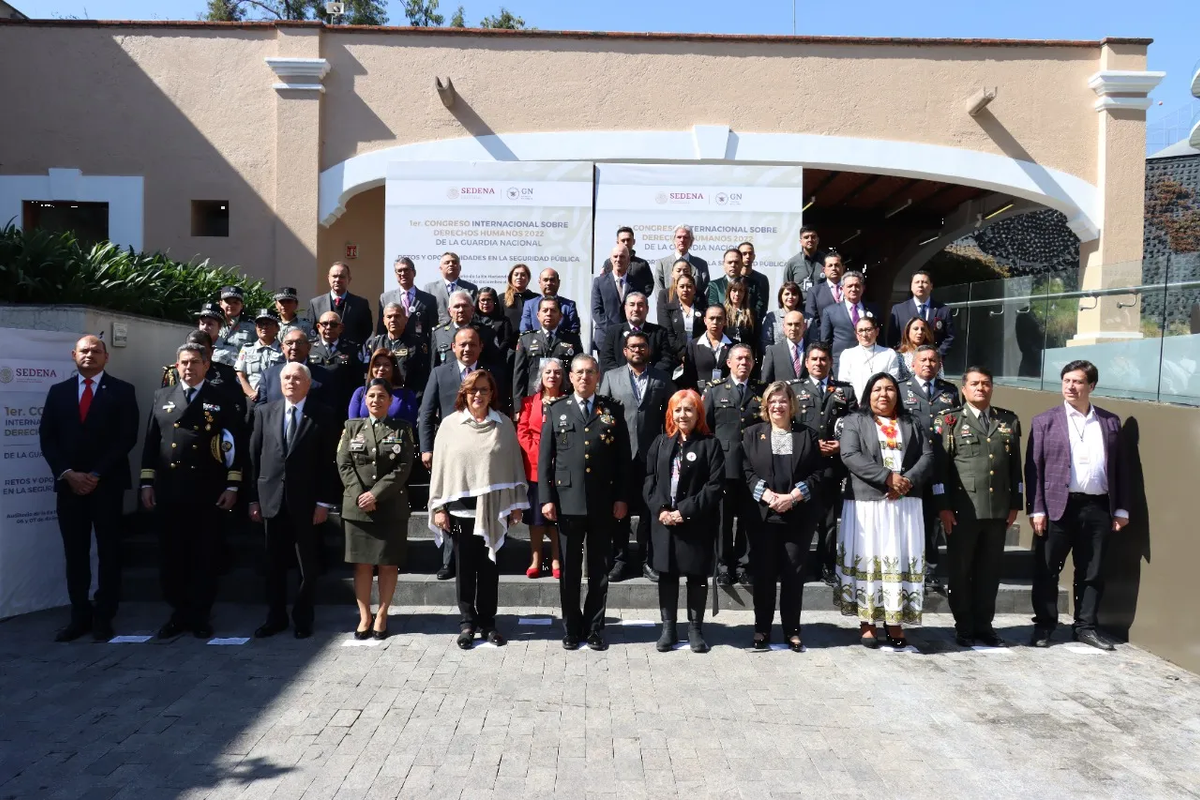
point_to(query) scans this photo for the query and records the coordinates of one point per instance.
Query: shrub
(54, 269)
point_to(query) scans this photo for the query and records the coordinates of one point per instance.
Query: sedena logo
(452, 193)
(6, 375)
(476, 190)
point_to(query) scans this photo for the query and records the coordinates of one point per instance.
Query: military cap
(266, 314)
(211, 310)
(286, 293)
(234, 292)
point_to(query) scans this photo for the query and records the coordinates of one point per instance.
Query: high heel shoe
(364, 634)
(898, 642)
(556, 572)
(533, 572)
(762, 644)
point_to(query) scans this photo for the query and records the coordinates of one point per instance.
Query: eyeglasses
(479, 391)
(328, 324)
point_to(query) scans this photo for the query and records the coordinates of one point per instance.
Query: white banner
(32, 568)
(725, 206)
(493, 215)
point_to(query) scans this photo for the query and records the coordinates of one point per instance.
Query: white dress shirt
(857, 364)
(288, 405)
(95, 384)
(862, 310)
(464, 370)
(1089, 462)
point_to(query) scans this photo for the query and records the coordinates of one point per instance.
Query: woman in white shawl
(476, 490)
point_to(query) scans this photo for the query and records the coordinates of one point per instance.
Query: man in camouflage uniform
(978, 451)
(407, 344)
(258, 356)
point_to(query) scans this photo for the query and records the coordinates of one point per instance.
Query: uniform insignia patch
(691, 456)
(169, 407)
(396, 449)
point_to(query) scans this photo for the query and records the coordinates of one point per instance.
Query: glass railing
(1138, 323)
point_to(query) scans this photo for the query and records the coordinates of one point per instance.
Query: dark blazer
(939, 318)
(612, 355)
(777, 363)
(424, 310)
(437, 288)
(529, 318)
(531, 350)
(816, 300)
(183, 455)
(583, 464)
(699, 361)
(356, 316)
(804, 465)
(728, 419)
(685, 549)
(324, 386)
(377, 459)
(1048, 463)
(513, 313)
(442, 389)
(671, 317)
(608, 310)
(662, 273)
(100, 444)
(294, 481)
(838, 330)
(863, 459)
(644, 420)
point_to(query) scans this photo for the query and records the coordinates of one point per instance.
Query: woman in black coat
(685, 478)
(783, 469)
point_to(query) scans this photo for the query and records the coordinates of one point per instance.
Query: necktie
(85, 399)
(836, 291)
(466, 371)
(741, 393)
(337, 304)
(925, 311)
(550, 340)
(289, 432)
(621, 289)
(450, 288)
(983, 419)
(406, 301)
(854, 313)
(190, 394)
(796, 359)
(586, 407)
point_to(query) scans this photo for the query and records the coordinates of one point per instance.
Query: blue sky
(1173, 24)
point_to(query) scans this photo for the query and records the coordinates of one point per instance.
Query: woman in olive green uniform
(374, 458)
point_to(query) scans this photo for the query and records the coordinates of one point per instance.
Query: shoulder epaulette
(559, 399)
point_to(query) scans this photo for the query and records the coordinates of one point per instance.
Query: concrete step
(336, 587)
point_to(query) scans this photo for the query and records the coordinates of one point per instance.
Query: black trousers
(780, 551)
(291, 539)
(622, 551)
(188, 548)
(933, 530)
(1082, 532)
(447, 554)
(668, 597)
(736, 544)
(974, 550)
(77, 516)
(826, 532)
(477, 580)
(575, 535)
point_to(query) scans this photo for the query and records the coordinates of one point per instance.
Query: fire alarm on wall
(351, 251)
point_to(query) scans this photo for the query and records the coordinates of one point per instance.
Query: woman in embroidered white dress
(857, 364)
(881, 541)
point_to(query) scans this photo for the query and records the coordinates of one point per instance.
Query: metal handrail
(1079, 293)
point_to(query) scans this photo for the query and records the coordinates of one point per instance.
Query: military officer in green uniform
(407, 343)
(191, 472)
(550, 340)
(978, 448)
(822, 403)
(257, 357)
(236, 331)
(462, 315)
(731, 406)
(924, 395)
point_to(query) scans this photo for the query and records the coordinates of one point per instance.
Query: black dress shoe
(617, 573)
(72, 631)
(650, 573)
(723, 579)
(466, 639)
(829, 577)
(496, 638)
(962, 640)
(1040, 638)
(897, 642)
(990, 639)
(696, 639)
(302, 631)
(570, 642)
(379, 635)
(269, 628)
(358, 635)
(595, 641)
(762, 644)
(170, 630)
(1095, 640)
(743, 577)
(102, 630)
(445, 574)
(868, 640)
(203, 631)
(668, 637)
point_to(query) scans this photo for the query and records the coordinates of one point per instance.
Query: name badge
(357, 446)
(716, 375)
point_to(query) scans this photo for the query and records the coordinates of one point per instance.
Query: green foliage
(423, 13)
(505, 19)
(457, 21)
(358, 12)
(53, 269)
(224, 11)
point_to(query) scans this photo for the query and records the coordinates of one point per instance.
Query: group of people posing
(733, 434)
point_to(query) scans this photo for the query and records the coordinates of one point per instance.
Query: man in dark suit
(760, 284)
(643, 392)
(838, 320)
(731, 263)
(784, 361)
(550, 340)
(730, 407)
(341, 356)
(548, 282)
(88, 426)
(609, 290)
(823, 294)
(450, 267)
(706, 358)
(821, 404)
(638, 267)
(583, 481)
(922, 305)
(293, 483)
(191, 472)
(683, 239)
(612, 355)
(354, 311)
(420, 307)
(438, 403)
(1078, 471)
(296, 348)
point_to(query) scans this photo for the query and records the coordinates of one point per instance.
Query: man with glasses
(824, 294)
(450, 282)
(683, 239)
(342, 357)
(838, 321)
(760, 284)
(420, 307)
(296, 348)
(583, 481)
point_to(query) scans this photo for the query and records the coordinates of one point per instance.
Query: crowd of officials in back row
(736, 430)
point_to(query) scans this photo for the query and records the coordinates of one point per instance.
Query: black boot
(697, 597)
(668, 607)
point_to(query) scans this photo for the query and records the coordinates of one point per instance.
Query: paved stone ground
(416, 717)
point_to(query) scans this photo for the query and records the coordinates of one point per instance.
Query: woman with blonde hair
(740, 325)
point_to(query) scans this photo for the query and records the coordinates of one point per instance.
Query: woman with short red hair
(685, 478)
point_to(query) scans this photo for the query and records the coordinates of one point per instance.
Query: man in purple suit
(1077, 476)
